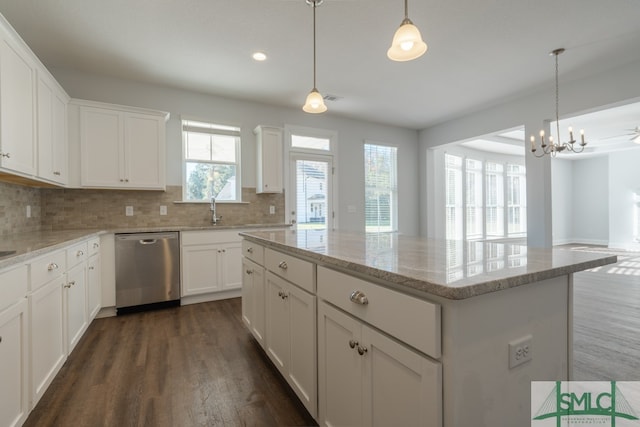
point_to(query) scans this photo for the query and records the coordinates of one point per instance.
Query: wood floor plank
(195, 365)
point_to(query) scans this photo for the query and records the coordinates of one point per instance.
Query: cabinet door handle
(353, 343)
(359, 298)
(250, 250)
(283, 265)
(56, 173)
(91, 268)
(249, 272)
(68, 285)
(362, 350)
(52, 266)
(7, 155)
(96, 245)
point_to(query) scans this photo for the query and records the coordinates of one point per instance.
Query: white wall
(624, 180)
(351, 136)
(562, 201)
(534, 110)
(590, 215)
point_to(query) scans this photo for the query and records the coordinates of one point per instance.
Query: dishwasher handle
(147, 241)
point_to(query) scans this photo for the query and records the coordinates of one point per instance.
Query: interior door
(310, 200)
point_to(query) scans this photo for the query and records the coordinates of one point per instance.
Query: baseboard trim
(213, 296)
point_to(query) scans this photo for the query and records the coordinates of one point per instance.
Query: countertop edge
(83, 234)
(426, 288)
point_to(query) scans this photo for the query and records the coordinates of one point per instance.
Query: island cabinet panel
(293, 269)
(369, 379)
(253, 303)
(411, 320)
(291, 336)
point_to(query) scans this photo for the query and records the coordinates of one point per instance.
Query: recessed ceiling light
(259, 56)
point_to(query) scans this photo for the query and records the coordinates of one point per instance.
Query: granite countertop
(445, 268)
(32, 244)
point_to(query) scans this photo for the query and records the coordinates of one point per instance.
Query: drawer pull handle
(52, 266)
(250, 250)
(249, 272)
(283, 265)
(362, 350)
(96, 245)
(79, 253)
(359, 298)
(92, 268)
(68, 285)
(353, 343)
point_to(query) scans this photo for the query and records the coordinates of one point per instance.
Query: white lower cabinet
(253, 292)
(211, 262)
(94, 288)
(75, 303)
(47, 336)
(14, 402)
(369, 379)
(291, 337)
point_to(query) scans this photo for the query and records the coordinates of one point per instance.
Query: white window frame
(294, 152)
(464, 155)
(237, 163)
(394, 188)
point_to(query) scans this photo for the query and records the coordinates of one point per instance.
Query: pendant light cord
(406, 9)
(557, 102)
(314, 43)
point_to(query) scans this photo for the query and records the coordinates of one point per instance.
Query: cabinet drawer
(411, 320)
(208, 237)
(253, 251)
(76, 254)
(46, 268)
(93, 246)
(13, 286)
(295, 270)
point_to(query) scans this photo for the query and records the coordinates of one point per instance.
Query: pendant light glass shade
(314, 103)
(407, 43)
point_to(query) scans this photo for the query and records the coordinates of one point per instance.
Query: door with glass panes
(310, 195)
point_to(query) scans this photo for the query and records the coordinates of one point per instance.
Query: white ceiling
(480, 52)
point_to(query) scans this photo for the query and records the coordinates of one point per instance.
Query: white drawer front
(207, 237)
(47, 267)
(76, 254)
(295, 270)
(253, 251)
(13, 286)
(409, 319)
(93, 246)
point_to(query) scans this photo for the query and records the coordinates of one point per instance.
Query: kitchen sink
(6, 253)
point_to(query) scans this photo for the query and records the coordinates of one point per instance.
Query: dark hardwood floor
(195, 365)
(607, 320)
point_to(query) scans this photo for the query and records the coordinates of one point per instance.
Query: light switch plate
(163, 210)
(272, 210)
(128, 210)
(28, 211)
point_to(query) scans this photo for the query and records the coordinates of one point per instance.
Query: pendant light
(407, 42)
(314, 103)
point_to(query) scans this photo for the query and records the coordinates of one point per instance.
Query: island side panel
(479, 388)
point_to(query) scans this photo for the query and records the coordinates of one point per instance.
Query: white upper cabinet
(17, 106)
(52, 130)
(121, 147)
(269, 159)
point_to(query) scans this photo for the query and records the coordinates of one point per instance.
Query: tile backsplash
(14, 200)
(80, 208)
(65, 209)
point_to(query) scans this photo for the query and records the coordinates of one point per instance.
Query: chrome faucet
(214, 217)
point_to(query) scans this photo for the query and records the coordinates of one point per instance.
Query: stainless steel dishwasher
(147, 271)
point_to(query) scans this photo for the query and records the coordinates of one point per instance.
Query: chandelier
(555, 147)
(407, 42)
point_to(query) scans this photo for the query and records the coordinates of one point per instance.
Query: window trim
(394, 191)
(212, 131)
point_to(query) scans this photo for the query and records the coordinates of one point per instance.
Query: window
(380, 180)
(475, 207)
(211, 156)
(310, 142)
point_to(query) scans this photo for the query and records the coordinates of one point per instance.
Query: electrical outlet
(163, 210)
(28, 211)
(128, 210)
(520, 351)
(272, 210)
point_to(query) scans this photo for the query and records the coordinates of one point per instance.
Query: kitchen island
(410, 331)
